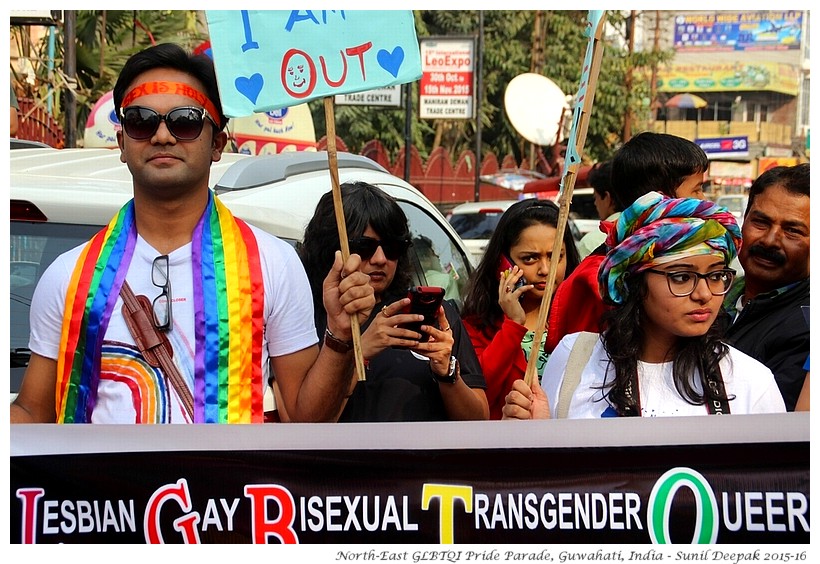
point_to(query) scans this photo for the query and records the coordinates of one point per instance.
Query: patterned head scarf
(657, 229)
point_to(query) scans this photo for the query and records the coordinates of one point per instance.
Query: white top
(750, 382)
(593, 239)
(127, 381)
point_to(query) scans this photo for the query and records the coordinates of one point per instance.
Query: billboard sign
(446, 90)
(730, 76)
(774, 30)
(720, 147)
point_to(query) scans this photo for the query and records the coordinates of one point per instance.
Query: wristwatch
(452, 374)
(336, 344)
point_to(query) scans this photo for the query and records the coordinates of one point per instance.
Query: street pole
(478, 97)
(631, 42)
(71, 78)
(653, 85)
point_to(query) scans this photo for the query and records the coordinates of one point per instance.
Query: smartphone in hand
(505, 264)
(424, 300)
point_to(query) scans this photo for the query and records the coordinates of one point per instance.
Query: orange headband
(171, 88)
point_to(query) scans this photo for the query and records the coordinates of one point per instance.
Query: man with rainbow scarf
(241, 305)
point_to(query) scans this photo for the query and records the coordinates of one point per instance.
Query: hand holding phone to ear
(511, 286)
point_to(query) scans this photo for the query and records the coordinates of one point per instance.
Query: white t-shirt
(128, 382)
(750, 382)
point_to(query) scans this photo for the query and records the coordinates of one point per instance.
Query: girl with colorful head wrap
(660, 354)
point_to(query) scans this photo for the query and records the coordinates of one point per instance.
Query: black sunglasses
(184, 123)
(163, 318)
(366, 247)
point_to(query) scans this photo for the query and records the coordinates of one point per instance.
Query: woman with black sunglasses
(406, 379)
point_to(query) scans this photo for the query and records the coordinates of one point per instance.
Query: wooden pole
(338, 207)
(575, 145)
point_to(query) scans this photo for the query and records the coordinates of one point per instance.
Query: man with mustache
(765, 306)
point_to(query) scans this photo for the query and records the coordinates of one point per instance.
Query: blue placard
(271, 59)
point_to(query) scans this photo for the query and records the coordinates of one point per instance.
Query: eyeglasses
(366, 247)
(184, 123)
(683, 282)
(162, 308)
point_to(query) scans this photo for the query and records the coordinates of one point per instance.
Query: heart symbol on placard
(250, 87)
(391, 62)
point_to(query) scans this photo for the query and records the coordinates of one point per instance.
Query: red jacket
(577, 304)
(501, 358)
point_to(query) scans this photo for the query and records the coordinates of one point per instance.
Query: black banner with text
(715, 493)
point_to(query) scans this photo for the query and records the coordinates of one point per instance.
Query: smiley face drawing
(298, 74)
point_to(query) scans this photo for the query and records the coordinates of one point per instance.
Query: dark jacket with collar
(773, 329)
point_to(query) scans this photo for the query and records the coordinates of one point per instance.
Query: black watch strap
(452, 374)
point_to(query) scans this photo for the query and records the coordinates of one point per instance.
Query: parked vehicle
(60, 198)
(475, 222)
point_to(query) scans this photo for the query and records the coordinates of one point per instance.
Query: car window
(440, 260)
(34, 246)
(478, 225)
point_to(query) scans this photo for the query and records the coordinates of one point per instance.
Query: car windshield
(34, 245)
(478, 225)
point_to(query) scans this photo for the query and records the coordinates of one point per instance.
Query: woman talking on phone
(665, 274)
(429, 373)
(505, 292)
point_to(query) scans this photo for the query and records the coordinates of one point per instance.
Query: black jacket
(772, 328)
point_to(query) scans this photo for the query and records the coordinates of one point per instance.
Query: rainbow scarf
(228, 317)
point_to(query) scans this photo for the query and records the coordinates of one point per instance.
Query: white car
(475, 222)
(735, 203)
(59, 198)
